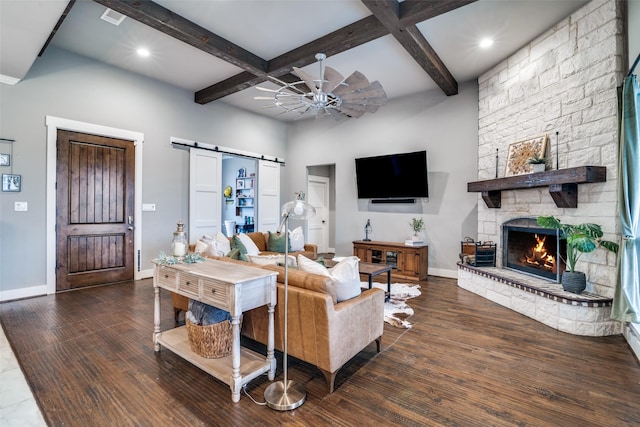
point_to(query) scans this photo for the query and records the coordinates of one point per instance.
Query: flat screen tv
(393, 176)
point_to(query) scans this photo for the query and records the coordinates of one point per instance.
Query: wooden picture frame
(520, 152)
(11, 182)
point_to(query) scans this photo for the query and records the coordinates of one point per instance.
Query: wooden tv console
(407, 262)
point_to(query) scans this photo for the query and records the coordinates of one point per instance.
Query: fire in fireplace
(531, 249)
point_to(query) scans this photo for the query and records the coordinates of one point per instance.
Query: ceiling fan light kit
(330, 95)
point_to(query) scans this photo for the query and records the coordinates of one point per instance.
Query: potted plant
(581, 238)
(538, 164)
(417, 225)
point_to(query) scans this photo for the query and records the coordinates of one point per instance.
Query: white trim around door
(55, 123)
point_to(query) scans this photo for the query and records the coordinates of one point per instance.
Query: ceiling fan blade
(332, 79)
(337, 115)
(350, 111)
(265, 89)
(355, 81)
(307, 78)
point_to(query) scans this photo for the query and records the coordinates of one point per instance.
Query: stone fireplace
(563, 84)
(531, 249)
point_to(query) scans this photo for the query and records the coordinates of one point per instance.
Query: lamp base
(284, 400)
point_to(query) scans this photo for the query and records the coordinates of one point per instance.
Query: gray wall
(65, 85)
(447, 127)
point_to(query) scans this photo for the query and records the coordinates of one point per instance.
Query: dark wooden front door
(95, 206)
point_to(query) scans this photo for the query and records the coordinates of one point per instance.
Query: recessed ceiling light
(143, 51)
(486, 42)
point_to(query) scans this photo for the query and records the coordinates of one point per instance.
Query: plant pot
(538, 167)
(574, 281)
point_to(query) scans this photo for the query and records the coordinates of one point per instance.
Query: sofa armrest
(311, 249)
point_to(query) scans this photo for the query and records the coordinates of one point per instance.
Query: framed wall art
(520, 152)
(11, 182)
(5, 159)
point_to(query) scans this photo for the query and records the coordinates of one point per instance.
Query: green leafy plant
(537, 160)
(581, 238)
(417, 225)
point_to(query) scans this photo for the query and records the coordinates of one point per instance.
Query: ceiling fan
(331, 94)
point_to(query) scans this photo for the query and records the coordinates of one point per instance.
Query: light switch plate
(21, 206)
(148, 207)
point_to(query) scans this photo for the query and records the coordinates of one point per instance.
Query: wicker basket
(211, 341)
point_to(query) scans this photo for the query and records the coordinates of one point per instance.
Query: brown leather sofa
(260, 239)
(321, 332)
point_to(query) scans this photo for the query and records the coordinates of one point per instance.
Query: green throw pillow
(276, 242)
(236, 243)
(237, 254)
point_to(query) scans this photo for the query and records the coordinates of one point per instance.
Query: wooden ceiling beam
(345, 38)
(174, 25)
(257, 70)
(388, 12)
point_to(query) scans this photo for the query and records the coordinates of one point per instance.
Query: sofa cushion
(345, 275)
(272, 260)
(305, 280)
(276, 243)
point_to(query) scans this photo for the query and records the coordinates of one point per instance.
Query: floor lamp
(286, 395)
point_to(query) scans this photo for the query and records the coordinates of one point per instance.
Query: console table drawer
(167, 277)
(215, 293)
(188, 283)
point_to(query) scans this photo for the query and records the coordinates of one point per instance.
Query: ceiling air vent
(112, 17)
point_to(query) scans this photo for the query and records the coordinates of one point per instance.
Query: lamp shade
(298, 209)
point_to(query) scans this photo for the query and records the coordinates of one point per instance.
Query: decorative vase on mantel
(574, 281)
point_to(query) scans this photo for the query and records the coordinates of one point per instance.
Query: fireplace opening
(533, 250)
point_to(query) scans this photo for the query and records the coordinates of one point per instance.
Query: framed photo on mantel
(520, 152)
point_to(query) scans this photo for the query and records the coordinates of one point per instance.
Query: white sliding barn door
(318, 225)
(268, 196)
(205, 187)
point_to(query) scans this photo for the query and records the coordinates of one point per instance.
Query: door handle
(130, 222)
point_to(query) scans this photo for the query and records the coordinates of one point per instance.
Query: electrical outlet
(21, 206)
(149, 207)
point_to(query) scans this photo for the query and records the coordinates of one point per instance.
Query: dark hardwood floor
(88, 356)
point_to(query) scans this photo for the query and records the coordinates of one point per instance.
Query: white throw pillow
(251, 247)
(272, 260)
(345, 275)
(296, 238)
(203, 244)
(221, 245)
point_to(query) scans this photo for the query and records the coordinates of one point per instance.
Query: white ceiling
(269, 28)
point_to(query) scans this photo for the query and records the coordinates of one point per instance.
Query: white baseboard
(441, 272)
(631, 332)
(33, 291)
(144, 274)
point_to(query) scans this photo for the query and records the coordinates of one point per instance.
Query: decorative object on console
(179, 243)
(521, 151)
(286, 394)
(331, 94)
(367, 231)
(417, 225)
(581, 238)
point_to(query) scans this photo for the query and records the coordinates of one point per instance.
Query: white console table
(231, 287)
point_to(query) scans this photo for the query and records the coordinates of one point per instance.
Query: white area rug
(396, 310)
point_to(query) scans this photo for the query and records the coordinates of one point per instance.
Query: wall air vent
(112, 17)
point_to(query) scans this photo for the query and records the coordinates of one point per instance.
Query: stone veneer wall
(565, 80)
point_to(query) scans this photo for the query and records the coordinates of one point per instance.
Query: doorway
(321, 195)
(94, 223)
(54, 124)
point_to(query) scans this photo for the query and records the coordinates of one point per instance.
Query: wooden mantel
(562, 183)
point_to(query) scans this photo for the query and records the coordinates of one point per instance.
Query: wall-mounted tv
(393, 176)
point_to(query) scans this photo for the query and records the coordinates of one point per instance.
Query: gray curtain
(626, 300)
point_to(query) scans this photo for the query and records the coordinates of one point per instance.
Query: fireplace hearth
(533, 250)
